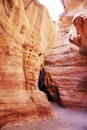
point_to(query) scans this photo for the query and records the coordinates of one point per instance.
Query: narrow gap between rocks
(44, 88)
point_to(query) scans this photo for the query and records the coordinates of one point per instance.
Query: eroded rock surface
(72, 4)
(80, 23)
(25, 38)
(65, 67)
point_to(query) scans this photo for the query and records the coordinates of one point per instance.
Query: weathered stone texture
(25, 38)
(80, 23)
(71, 4)
(66, 67)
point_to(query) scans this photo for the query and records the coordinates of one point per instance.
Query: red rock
(65, 68)
(25, 28)
(80, 23)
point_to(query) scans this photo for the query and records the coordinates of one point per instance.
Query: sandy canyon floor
(67, 120)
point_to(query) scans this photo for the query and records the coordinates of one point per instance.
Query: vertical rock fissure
(51, 90)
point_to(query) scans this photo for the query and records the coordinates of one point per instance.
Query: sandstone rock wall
(25, 38)
(65, 67)
(71, 4)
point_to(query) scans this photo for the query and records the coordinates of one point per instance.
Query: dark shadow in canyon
(44, 88)
(41, 85)
(83, 84)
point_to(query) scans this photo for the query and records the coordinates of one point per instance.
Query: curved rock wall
(65, 67)
(25, 39)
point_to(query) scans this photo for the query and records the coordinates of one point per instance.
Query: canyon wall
(71, 4)
(25, 39)
(65, 69)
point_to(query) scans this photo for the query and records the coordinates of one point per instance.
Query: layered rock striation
(80, 23)
(25, 38)
(65, 76)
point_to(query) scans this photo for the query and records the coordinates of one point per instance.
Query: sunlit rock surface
(25, 38)
(66, 66)
(72, 4)
(80, 23)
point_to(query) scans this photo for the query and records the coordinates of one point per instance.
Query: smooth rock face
(25, 38)
(65, 67)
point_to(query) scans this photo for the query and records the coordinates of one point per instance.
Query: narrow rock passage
(67, 120)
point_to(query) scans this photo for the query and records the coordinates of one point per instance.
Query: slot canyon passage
(32, 54)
